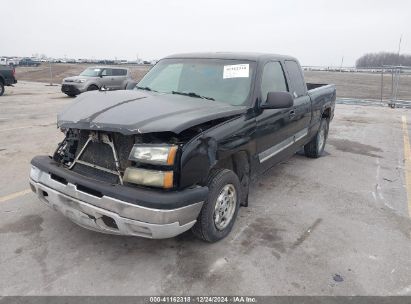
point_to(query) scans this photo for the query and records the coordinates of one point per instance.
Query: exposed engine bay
(104, 155)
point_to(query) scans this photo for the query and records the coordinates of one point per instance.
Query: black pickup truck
(179, 150)
(7, 77)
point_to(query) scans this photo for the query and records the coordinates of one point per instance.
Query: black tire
(93, 87)
(71, 95)
(315, 148)
(205, 227)
(1, 88)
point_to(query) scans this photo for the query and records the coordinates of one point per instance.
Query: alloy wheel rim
(225, 206)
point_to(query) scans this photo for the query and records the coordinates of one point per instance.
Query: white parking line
(14, 195)
(407, 158)
(26, 127)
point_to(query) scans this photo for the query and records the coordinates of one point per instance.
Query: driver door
(275, 136)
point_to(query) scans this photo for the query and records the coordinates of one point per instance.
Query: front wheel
(92, 88)
(315, 147)
(1, 88)
(220, 210)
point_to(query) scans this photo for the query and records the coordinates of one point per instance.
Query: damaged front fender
(213, 146)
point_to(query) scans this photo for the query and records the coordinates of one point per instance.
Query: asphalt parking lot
(337, 225)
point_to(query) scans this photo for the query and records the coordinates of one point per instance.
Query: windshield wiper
(192, 94)
(145, 88)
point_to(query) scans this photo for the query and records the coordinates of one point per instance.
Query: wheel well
(2, 80)
(326, 113)
(239, 163)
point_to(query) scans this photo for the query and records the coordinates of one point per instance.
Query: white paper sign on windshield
(236, 71)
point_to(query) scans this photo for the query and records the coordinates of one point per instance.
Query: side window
(119, 72)
(297, 85)
(273, 79)
(106, 72)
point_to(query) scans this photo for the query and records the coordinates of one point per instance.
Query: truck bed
(319, 89)
(312, 86)
(322, 95)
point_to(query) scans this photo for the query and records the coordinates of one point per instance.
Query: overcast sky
(318, 32)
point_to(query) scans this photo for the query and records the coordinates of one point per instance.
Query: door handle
(291, 114)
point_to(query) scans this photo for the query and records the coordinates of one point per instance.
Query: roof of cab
(233, 55)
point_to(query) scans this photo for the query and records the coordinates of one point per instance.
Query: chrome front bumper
(109, 215)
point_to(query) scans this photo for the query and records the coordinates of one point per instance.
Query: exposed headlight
(163, 179)
(80, 80)
(151, 154)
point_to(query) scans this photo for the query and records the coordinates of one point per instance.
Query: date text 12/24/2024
(203, 299)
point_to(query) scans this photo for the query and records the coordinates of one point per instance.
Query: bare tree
(383, 58)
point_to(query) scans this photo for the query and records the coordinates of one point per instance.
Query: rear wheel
(315, 147)
(92, 88)
(1, 88)
(220, 210)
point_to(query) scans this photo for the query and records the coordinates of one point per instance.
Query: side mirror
(278, 100)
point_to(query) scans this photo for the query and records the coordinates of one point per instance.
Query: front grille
(96, 174)
(66, 87)
(99, 153)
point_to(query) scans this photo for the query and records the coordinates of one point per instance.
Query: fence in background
(388, 84)
(396, 73)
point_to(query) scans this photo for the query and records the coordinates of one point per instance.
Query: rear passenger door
(119, 78)
(107, 78)
(302, 102)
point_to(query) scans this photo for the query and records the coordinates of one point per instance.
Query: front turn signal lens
(152, 178)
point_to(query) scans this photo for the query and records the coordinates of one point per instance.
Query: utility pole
(51, 74)
(397, 76)
(342, 62)
(398, 72)
(399, 49)
(382, 82)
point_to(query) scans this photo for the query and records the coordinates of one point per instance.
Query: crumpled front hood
(132, 112)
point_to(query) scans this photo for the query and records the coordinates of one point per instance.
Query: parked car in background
(179, 151)
(7, 77)
(3, 61)
(13, 61)
(95, 78)
(28, 62)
